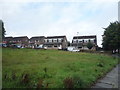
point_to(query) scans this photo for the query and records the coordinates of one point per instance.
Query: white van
(73, 49)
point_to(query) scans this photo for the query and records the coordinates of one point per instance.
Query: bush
(75, 82)
(100, 64)
(68, 82)
(78, 82)
(25, 79)
(40, 84)
(89, 45)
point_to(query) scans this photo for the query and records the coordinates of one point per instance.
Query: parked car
(3, 45)
(73, 49)
(40, 47)
(70, 48)
(16, 46)
(45, 48)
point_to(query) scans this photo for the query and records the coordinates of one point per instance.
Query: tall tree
(111, 37)
(2, 29)
(68, 43)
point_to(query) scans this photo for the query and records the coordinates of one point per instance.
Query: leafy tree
(68, 43)
(2, 29)
(111, 37)
(89, 45)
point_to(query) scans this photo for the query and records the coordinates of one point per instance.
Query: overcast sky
(59, 17)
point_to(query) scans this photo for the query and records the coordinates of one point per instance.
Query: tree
(2, 29)
(68, 43)
(111, 37)
(89, 45)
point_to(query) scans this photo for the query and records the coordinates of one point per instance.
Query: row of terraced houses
(52, 42)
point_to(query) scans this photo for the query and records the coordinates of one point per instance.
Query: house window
(74, 41)
(45, 40)
(55, 40)
(80, 41)
(19, 40)
(36, 40)
(50, 40)
(83, 41)
(59, 40)
(62, 40)
(49, 46)
(65, 40)
(89, 40)
(92, 41)
(55, 45)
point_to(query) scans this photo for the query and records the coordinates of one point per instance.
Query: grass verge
(28, 68)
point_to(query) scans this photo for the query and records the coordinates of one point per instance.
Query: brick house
(36, 41)
(22, 41)
(7, 40)
(82, 41)
(55, 42)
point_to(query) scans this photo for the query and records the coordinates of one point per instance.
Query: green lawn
(52, 68)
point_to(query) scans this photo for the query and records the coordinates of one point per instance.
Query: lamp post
(119, 11)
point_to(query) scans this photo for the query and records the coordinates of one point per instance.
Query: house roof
(55, 37)
(21, 37)
(7, 37)
(84, 37)
(37, 37)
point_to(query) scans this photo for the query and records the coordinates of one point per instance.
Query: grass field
(52, 68)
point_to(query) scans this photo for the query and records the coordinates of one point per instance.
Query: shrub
(100, 64)
(68, 83)
(40, 84)
(13, 76)
(5, 76)
(45, 70)
(25, 78)
(89, 45)
(78, 82)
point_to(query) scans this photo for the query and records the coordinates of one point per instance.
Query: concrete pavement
(111, 80)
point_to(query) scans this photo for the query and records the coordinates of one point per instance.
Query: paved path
(111, 80)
